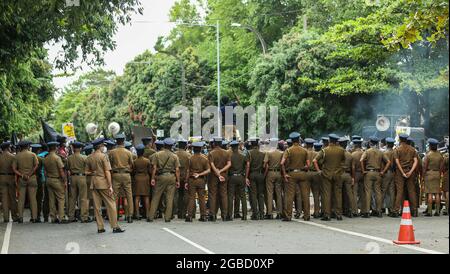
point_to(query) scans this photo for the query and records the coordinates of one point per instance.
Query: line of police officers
(279, 178)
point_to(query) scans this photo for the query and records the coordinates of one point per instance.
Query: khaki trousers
(350, 196)
(29, 187)
(56, 198)
(358, 189)
(388, 190)
(315, 181)
(257, 193)
(123, 181)
(273, 185)
(217, 192)
(99, 195)
(196, 187)
(236, 195)
(372, 180)
(9, 202)
(165, 184)
(400, 184)
(332, 187)
(299, 179)
(79, 195)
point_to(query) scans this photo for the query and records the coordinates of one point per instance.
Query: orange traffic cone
(406, 234)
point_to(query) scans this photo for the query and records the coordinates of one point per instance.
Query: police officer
(333, 158)
(406, 161)
(348, 180)
(358, 186)
(220, 161)
(142, 172)
(98, 165)
(56, 183)
(25, 165)
(76, 165)
(165, 179)
(149, 151)
(445, 181)
(7, 183)
(316, 180)
(272, 167)
(433, 167)
(236, 183)
(374, 164)
(295, 165)
(255, 179)
(181, 197)
(88, 150)
(197, 170)
(122, 164)
(388, 186)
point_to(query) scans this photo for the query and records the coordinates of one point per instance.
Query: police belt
(78, 174)
(121, 172)
(7, 174)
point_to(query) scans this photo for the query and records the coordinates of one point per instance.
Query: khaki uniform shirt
(374, 158)
(311, 155)
(198, 163)
(97, 163)
(356, 155)
(256, 159)
(273, 159)
(405, 154)
(237, 163)
(333, 158)
(76, 163)
(148, 152)
(142, 166)
(296, 157)
(25, 161)
(219, 157)
(6, 163)
(348, 163)
(435, 160)
(121, 159)
(166, 161)
(183, 156)
(52, 164)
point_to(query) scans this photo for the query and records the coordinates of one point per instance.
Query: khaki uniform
(388, 186)
(142, 169)
(315, 180)
(8, 186)
(121, 161)
(257, 181)
(56, 188)
(198, 163)
(97, 163)
(347, 183)
(333, 158)
(148, 152)
(181, 198)
(25, 161)
(236, 185)
(43, 205)
(405, 154)
(166, 163)
(296, 159)
(217, 191)
(373, 161)
(358, 187)
(274, 181)
(76, 164)
(432, 175)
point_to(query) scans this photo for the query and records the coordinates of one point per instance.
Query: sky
(132, 39)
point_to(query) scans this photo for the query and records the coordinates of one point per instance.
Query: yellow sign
(69, 131)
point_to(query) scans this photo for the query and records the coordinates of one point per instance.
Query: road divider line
(370, 237)
(6, 238)
(207, 251)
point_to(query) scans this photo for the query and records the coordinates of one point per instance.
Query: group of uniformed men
(158, 180)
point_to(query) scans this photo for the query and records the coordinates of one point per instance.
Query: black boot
(118, 230)
(188, 220)
(203, 219)
(326, 218)
(278, 217)
(101, 231)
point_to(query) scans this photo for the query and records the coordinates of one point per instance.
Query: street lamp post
(252, 29)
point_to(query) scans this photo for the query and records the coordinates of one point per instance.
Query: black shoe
(374, 213)
(64, 222)
(380, 215)
(306, 219)
(118, 230)
(254, 217)
(188, 220)
(237, 216)
(326, 218)
(394, 215)
(268, 217)
(278, 217)
(228, 219)
(203, 219)
(365, 215)
(45, 219)
(428, 214)
(101, 231)
(149, 220)
(355, 215)
(244, 218)
(33, 221)
(55, 221)
(20, 220)
(73, 221)
(445, 213)
(339, 218)
(212, 218)
(297, 216)
(38, 220)
(437, 214)
(167, 221)
(316, 216)
(129, 220)
(286, 220)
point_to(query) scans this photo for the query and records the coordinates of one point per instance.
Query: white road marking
(374, 238)
(207, 251)
(7, 237)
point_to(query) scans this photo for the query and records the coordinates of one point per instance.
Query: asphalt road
(354, 236)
